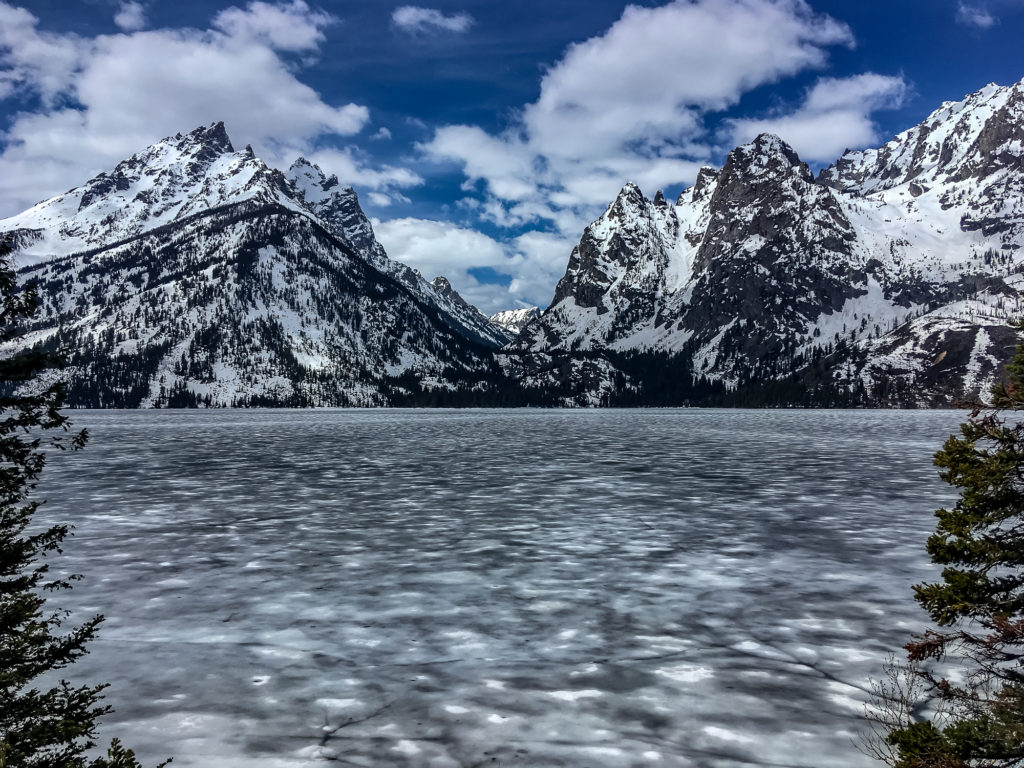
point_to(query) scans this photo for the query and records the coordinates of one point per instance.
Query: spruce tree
(960, 702)
(40, 726)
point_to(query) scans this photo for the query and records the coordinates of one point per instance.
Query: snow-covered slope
(192, 273)
(761, 272)
(167, 182)
(514, 320)
(338, 208)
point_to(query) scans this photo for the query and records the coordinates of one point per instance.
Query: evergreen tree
(53, 727)
(968, 671)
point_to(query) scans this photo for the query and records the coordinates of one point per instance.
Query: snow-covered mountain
(514, 320)
(890, 277)
(193, 273)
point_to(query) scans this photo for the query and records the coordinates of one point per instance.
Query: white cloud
(291, 27)
(835, 115)
(540, 260)
(441, 248)
(974, 16)
(130, 17)
(387, 199)
(651, 75)
(352, 170)
(30, 59)
(630, 104)
(505, 163)
(438, 247)
(382, 134)
(416, 20)
(129, 90)
(533, 262)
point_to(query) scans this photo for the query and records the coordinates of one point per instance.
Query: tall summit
(890, 278)
(194, 274)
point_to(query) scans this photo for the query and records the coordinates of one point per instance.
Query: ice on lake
(514, 588)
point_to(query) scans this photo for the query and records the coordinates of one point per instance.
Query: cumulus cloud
(539, 259)
(650, 76)
(630, 104)
(354, 170)
(104, 98)
(130, 17)
(291, 27)
(31, 59)
(530, 264)
(437, 247)
(835, 115)
(417, 20)
(974, 16)
(441, 248)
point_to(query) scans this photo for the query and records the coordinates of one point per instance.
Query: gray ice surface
(509, 588)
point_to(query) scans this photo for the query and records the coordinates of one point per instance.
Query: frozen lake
(513, 588)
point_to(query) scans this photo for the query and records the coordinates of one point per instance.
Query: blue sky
(482, 136)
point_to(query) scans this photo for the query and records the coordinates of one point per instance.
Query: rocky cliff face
(892, 275)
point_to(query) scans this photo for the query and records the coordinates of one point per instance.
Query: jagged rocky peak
(765, 191)
(212, 138)
(444, 288)
(975, 137)
(702, 187)
(758, 198)
(174, 178)
(187, 156)
(337, 205)
(766, 158)
(469, 316)
(312, 184)
(631, 215)
(628, 203)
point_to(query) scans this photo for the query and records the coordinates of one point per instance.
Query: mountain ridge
(760, 271)
(196, 294)
(195, 274)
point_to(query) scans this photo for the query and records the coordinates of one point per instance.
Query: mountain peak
(441, 283)
(766, 157)
(444, 288)
(171, 179)
(213, 136)
(630, 191)
(976, 138)
(629, 203)
(313, 184)
(514, 320)
(706, 178)
(771, 146)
